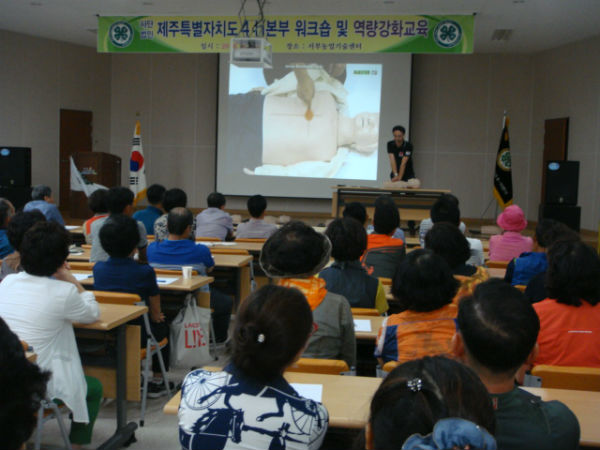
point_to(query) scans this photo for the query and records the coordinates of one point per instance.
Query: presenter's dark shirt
(406, 149)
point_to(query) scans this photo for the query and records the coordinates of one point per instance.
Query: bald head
(178, 221)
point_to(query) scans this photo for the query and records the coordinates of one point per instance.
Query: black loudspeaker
(17, 195)
(15, 166)
(562, 181)
(568, 214)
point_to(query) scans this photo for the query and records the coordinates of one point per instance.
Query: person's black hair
(44, 249)
(447, 240)
(348, 239)
(6, 209)
(446, 209)
(40, 192)
(98, 201)
(548, 231)
(119, 235)
(256, 205)
(23, 386)
(20, 223)
(424, 282)
(155, 194)
(272, 326)
(174, 198)
(178, 220)
(418, 393)
(399, 128)
(573, 273)
(386, 217)
(356, 211)
(215, 200)
(118, 198)
(498, 325)
(295, 249)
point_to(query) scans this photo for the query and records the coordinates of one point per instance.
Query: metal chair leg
(145, 385)
(63, 429)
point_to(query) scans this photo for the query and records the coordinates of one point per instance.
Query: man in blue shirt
(148, 216)
(178, 250)
(6, 211)
(42, 199)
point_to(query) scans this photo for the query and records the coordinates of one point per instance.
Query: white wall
(38, 77)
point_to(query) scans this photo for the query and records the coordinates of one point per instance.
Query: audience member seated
(97, 203)
(24, 385)
(256, 227)
(17, 227)
(447, 241)
(40, 305)
(119, 201)
(178, 250)
(214, 221)
(570, 316)
(249, 405)
(294, 254)
(511, 243)
(445, 209)
(154, 210)
(496, 337)
(6, 212)
(384, 253)
(427, 224)
(42, 199)
(357, 211)
(173, 198)
(346, 276)
(430, 403)
(425, 287)
(120, 273)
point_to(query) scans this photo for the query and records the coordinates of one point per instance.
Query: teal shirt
(524, 421)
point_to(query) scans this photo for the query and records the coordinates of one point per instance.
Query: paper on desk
(166, 280)
(311, 391)
(207, 243)
(362, 325)
(225, 243)
(71, 227)
(82, 276)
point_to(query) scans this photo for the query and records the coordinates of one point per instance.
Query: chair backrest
(385, 281)
(118, 298)
(521, 287)
(565, 377)
(497, 264)
(80, 265)
(324, 366)
(88, 246)
(365, 312)
(228, 251)
(390, 365)
(258, 241)
(208, 239)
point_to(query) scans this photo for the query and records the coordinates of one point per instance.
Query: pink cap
(512, 219)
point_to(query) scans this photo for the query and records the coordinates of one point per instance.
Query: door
(556, 137)
(75, 136)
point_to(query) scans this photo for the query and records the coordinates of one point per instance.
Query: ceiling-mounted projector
(251, 52)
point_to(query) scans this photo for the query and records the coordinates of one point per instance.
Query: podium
(97, 167)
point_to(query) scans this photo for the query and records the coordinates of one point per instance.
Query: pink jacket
(504, 247)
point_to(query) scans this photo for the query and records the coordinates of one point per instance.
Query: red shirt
(569, 335)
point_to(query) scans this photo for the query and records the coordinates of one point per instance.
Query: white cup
(187, 272)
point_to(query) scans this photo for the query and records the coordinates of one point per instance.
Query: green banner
(288, 34)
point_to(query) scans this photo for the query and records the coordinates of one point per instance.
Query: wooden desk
(253, 248)
(496, 273)
(413, 204)
(241, 265)
(179, 285)
(345, 411)
(376, 322)
(584, 404)
(113, 318)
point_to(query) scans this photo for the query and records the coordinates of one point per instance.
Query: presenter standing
(400, 153)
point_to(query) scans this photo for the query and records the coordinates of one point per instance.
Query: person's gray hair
(40, 191)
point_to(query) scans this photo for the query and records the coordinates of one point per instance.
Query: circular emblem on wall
(120, 34)
(504, 161)
(5, 152)
(447, 33)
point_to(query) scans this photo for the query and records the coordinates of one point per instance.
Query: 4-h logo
(504, 161)
(120, 34)
(447, 33)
